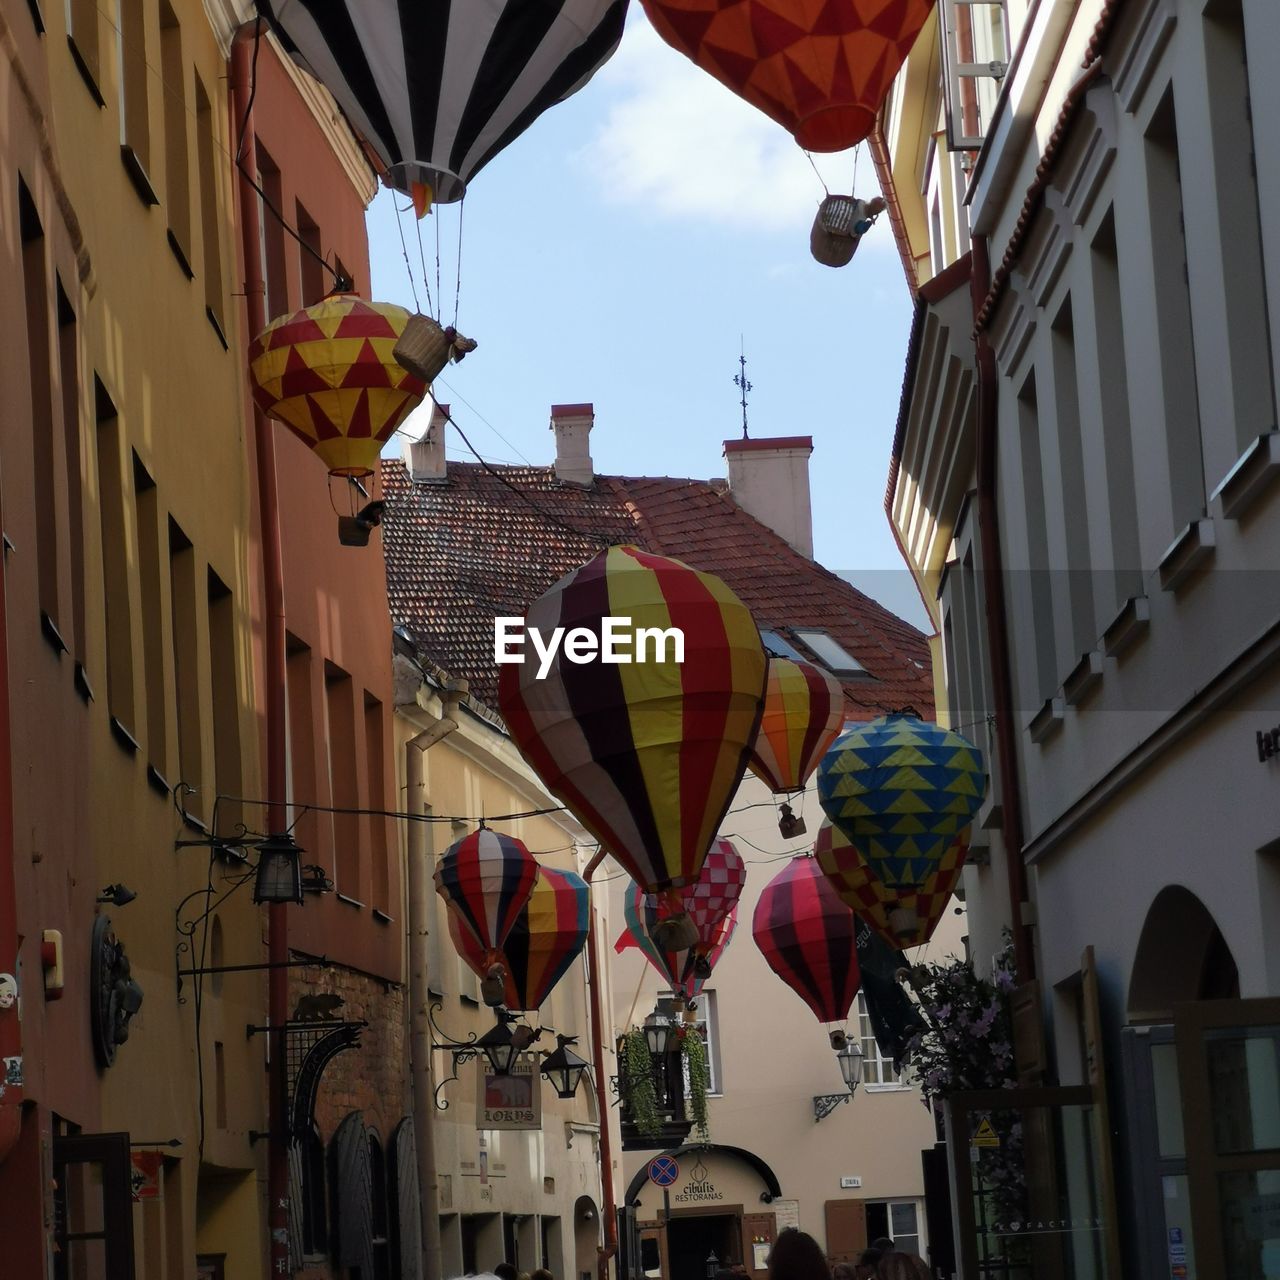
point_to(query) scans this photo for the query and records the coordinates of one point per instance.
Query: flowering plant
(967, 1044)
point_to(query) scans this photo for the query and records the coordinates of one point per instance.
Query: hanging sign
(512, 1101)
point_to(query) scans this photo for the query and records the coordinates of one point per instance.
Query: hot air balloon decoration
(684, 971)
(803, 714)
(902, 790)
(487, 878)
(839, 225)
(808, 938)
(646, 755)
(547, 937)
(437, 90)
(328, 373)
(821, 70)
(917, 912)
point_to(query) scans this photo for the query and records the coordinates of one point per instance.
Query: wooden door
(846, 1229)
(758, 1229)
(93, 1207)
(1229, 1069)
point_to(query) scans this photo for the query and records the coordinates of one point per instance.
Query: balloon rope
(814, 167)
(439, 293)
(422, 258)
(857, 151)
(457, 288)
(404, 248)
(635, 999)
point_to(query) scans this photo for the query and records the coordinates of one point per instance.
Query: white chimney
(769, 479)
(572, 424)
(425, 456)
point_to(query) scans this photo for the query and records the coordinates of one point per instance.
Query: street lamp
(657, 1032)
(713, 1265)
(279, 877)
(499, 1046)
(850, 1060)
(563, 1067)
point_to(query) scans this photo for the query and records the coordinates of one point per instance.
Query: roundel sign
(664, 1171)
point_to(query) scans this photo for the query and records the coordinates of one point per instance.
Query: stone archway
(586, 1237)
(1182, 955)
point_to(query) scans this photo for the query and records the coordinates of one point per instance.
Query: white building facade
(1083, 483)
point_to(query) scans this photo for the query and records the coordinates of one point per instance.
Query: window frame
(873, 1058)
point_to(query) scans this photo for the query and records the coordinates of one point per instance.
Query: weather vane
(740, 381)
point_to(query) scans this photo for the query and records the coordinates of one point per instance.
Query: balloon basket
(493, 986)
(425, 347)
(675, 933)
(789, 825)
(702, 967)
(904, 921)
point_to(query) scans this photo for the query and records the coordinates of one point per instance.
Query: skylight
(777, 647)
(832, 655)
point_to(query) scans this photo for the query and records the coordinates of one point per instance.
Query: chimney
(425, 456)
(572, 424)
(769, 479)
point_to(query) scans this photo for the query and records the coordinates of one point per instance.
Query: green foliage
(695, 1056)
(641, 1096)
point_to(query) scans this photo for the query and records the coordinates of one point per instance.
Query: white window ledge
(1252, 473)
(1188, 551)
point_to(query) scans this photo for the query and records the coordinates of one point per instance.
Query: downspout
(997, 624)
(275, 695)
(10, 1020)
(418, 874)
(610, 1211)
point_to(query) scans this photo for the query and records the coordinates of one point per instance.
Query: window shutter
(353, 1216)
(406, 1219)
(846, 1229)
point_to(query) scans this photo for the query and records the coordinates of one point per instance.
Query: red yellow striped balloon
(859, 888)
(645, 754)
(327, 372)
(803, 714)
(546, 938)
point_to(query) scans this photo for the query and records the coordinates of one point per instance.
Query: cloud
(675, 141)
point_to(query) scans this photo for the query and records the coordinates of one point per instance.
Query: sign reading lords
(509, 1102)
(699, 1189)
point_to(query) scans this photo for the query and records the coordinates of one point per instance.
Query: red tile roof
(487, 543)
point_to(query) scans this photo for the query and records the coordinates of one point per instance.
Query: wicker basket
(424, 347)
(832, 240)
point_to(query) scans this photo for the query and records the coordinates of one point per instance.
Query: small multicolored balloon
(487, 879)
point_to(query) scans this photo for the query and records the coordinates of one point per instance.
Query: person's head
(843, 1271)
(796, 1255)
(505, 1271)
(882, 1245)
(870, 1258)
(864, 1271)
(542, 1274)
(726, 1273)
(902, 1266)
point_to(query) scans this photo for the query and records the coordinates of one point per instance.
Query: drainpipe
(10, 1022)
(419, 875)
(274, 644)
(610, 1246)
(997, 624)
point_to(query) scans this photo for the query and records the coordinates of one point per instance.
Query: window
(177, 177)
(300, 748)
(186, 666)
(315, 1227)
(82, 39)
(897, 1219)
(975, 57)
(116, 555)
(69, 378)
(380, 1219)
(310, 256)
(135, 125)
(210, 224)
(226, 698)
(708, 1029)
(40, 375)
(778, 647)
(274, 272)
(150, 574)
(344, 789)
(838, 660)
(1038, 613)
(375, 765)
(876, 1069)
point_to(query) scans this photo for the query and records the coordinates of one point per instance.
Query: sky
(619, 252)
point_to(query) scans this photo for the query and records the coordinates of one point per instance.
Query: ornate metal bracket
(824, 1104)
(460, 1050)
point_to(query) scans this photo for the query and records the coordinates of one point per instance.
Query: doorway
(692, 1240)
